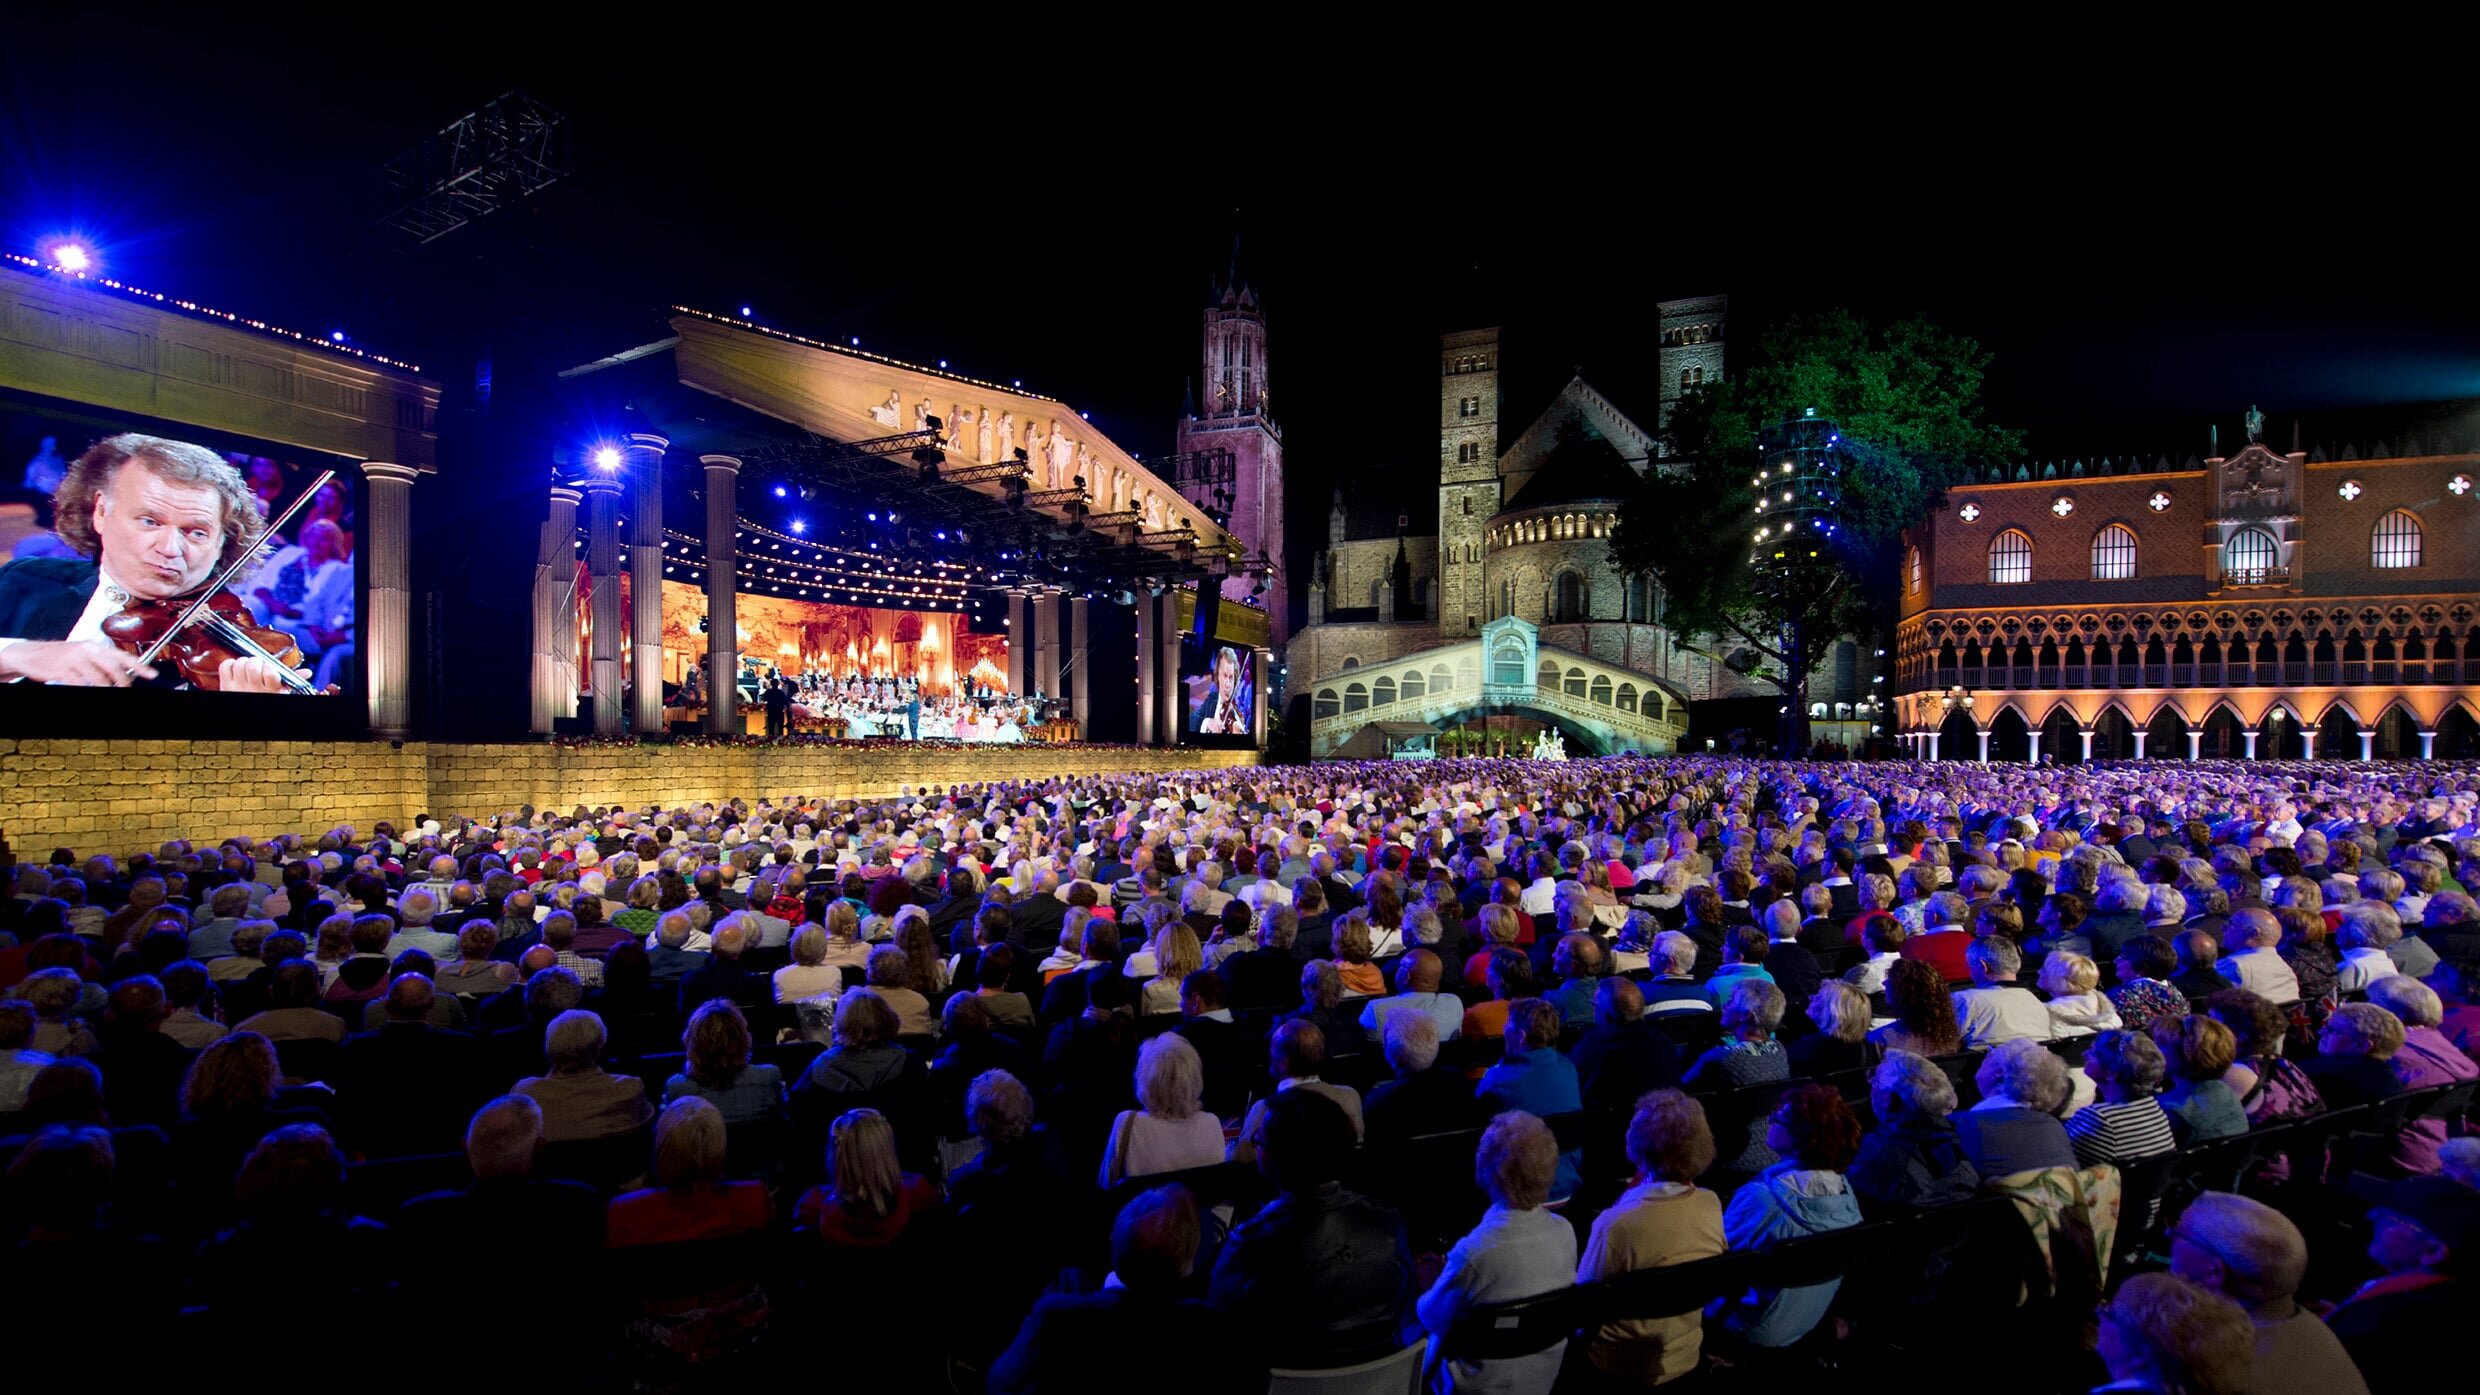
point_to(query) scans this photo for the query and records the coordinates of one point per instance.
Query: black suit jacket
(1234, 1059)
(1260, 978)
(1438, 1100)
(408, 1088)
(1035, 921)
(42, 597)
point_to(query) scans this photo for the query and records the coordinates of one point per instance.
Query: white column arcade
(1149, 653)
(2251, 744)
(2195, 743)
(2032, 753)
(2087, 734)
(723, 658)
(1984, 735)
(603, 561)
(387, 625)
(2367, 745)
(2141, 733)
(644, 453)
(555, 613)
(1080, 673)
(1933, 745)
(2428, 745)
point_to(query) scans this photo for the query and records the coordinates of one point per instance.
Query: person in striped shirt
(2125, 1123)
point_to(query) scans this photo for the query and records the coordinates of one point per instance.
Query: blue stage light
(607, 458)
(71, 255)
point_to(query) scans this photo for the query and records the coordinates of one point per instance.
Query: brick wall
(115, 796)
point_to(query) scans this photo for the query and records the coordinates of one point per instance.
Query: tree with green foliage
(1907, 400)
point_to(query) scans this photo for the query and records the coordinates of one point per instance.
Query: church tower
(1231, 413)
(1691, 349)
(1468, 486)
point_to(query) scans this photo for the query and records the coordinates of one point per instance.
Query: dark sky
(1057, 221)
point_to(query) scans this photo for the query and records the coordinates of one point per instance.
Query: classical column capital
(720, 462)
(597, 485)
(566, 494)
(390, 470)
(648, 440)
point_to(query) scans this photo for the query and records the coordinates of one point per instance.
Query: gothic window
(1683, 380)
(2396, 541)
(1468, 506)
(1913, 563)
(1373, 599)
(2010, 558)
(1640, 598)
(1696, 377)
(2114, 553)
(2248, 555)
(1506, 599)
(1569, 608)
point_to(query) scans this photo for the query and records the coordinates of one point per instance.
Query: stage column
(2251, 744)
(1264, 670)
(1933, 744)
(2195, 743)
(387, 630)
(1168, 694)
(723, 659)
(603, 561)
(2032, 753)
(644, 453)
(1081, 708)
(2368, 745)
(1046, 643)
(1019, 646)
(555, 613)
(2087, 734)
(1149, 653)
(2428, 745)
(1984, 734)
(2141, 733)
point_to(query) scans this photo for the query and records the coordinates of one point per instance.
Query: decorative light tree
(1796, 559)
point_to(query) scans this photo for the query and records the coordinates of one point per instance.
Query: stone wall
(115, 796)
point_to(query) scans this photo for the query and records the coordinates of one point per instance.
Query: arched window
(2010, 558)
(1696, 376)
(1575, 683)
(1640, 598)
(1601, 689)
(1439, 679)
(1627, 697)
(1507, 666)
(1414, 685)
(1351, 661)
(1570, 607)
(1382, 692)
(2396, 541)
(2248, 556)
(1327, 704)
(1912, 565)
(2114, 553)
(1355, 697)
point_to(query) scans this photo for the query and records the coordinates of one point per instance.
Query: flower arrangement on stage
(704, 742)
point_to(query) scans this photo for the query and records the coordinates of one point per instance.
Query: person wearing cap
(2256, 1257)
(2397, 1325)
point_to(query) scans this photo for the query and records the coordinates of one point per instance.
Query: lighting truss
(511, 148)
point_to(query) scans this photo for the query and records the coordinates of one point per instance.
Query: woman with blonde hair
(868, 1201)
(1498, 930)
(846, 949)
(690, 1199)
(2076, 1004)
(1841, 1041)
(1168, 1132)
(1359, 971)
(1176, 955)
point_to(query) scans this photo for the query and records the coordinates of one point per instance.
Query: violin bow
(248, 555)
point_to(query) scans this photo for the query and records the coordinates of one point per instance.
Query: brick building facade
(2260, 605)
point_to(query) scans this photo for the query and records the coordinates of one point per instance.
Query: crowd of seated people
(1306, 1067)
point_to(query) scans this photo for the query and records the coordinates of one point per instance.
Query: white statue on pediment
(959, 427)
(1153, 512)
(1119, 489)
(1007, 436)
(1034, 448)
(983, 454)
(1085, 468)
(890, 413)
(1063, 457)
(921, 416)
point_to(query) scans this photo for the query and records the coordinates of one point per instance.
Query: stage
(125, 794)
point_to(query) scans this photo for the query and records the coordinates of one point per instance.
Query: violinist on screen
(153, 519)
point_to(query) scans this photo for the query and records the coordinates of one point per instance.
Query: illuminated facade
(2263, 605)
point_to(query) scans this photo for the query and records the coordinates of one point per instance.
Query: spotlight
(744, 312)
(779, 491)
(608, 458)
(856, 341)
(73, 256)
(800, 526)
(336, 335)
(873, 516)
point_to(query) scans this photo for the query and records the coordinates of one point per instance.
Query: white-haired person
(2125, 1123)
(690, 1199)
(2256, 1257)
(1169, 1131)
(2162, 1333)
(1674, 987)
(1996, 1008)
(1913, 1158)
(2425, 1059)
(1840, 1012)
(2015, 1126)
(578, 1098)
(1749, 1054)
(2076, 1004)
(2369, 930)
(2254, 962)
(1517, 1250)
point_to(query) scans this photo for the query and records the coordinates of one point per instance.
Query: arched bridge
(1507, 671)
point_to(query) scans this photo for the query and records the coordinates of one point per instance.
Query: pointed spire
(1188, 397)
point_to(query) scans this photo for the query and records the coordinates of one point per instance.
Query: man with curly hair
(153, 519)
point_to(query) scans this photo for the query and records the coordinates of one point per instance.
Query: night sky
(1023, 221)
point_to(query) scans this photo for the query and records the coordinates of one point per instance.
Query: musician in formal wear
(1225, 709)
(151, 519)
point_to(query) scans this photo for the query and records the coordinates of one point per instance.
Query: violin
(199, 640)
(209, 627)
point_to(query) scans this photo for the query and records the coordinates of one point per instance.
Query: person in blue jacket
(1804, 1194)
(1535, 1078)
